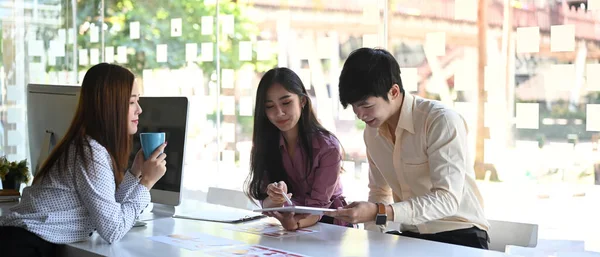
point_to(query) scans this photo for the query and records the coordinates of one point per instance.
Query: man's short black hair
(368, 72)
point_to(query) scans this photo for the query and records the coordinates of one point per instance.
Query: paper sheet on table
(196, 241)
(254, 251)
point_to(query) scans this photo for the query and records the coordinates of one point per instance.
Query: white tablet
(298, 209)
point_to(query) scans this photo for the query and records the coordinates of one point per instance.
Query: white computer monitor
(50, 110)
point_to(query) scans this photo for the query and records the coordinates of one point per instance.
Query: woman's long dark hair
(102, 115)
(266, 165)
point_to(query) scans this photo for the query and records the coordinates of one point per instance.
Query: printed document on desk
(297, 209)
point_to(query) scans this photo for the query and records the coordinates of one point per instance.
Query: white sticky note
(227, 78)
(493, 78)
(206, 23)
(57, 48)
(306, 77)
(370, 40)
(410, 79)
(161, 53)
(528, 40)
(134, 30)
(109, 54)
(528, 115)
(51, 60)
(436, 43)
(227, 105)
(71, 35)
(245, 78)
(371, 14)
(62, 35)
(210, 2)
(191, 52)
(246, 103)
(465, 10)
(37, 72)
(14, 115)
(227, 24)
(593, 76)
(468, 110)
(14, 93)
(263, 50)
(562, 38)
(122, 54)
(80, 76)
(94, 33)
(592, 114)
(463, 77)
(35, 47)
(14, 138)
(94, 56)
(490, 111)
(245, 51)
(228, 156)
(228, 132)
(176, 27)
(207, 51)
(593, 5)
(560, 77)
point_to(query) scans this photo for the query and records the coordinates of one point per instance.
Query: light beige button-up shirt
(427, 173)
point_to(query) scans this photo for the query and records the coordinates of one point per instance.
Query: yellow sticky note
(207, 25)
(325, 47)
(227, 105)
(370, 40)
(227, 24)
(465, 10)
(109, 54)
(593, 76)
(528, 115)
(562, 38)
(210, 2)
(410, 79)
(560, 77)
(528, 40)
(176, 27)
(191, 52)
(593, 5)
(227, 78)
(592, 118)
(161, 53)
(436, 43)
(228, 132)
(134, 30)
(490, 111)
(263, 50)
(94, 56)
(493, 78)
(94, 33)
(207, 51)
(122, 54)
(246, 106)
(245, 51)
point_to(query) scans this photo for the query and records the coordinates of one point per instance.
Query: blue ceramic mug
(151, 141)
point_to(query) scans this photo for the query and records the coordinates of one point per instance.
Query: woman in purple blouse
(292, 153)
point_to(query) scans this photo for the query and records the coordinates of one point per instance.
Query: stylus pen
(287, 199)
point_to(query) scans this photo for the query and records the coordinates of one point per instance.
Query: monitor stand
(158, 211)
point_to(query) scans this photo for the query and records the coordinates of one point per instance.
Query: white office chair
(230, 198)
(503, 233)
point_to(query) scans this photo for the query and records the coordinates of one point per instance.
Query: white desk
(330, 241)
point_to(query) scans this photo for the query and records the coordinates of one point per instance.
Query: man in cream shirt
(421, 175)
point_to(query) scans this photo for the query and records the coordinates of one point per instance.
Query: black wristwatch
(381, 218)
